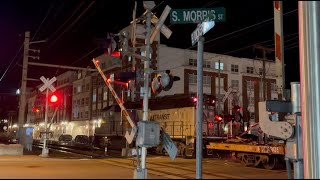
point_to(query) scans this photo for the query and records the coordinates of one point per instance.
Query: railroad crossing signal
(47, 84)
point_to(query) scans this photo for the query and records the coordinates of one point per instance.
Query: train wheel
(270, 163)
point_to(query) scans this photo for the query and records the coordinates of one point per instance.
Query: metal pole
(22, 106)
(146, 90)
(44, 149)
(264, 75)
(219, 87)
(199, 108)
(309, 43)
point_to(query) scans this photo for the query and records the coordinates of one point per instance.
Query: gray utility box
(148, 134)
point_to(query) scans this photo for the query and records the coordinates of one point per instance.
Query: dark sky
(74, 27)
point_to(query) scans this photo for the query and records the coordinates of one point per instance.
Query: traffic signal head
(54, 99)
(35, 109)
(237, 108)
(164, 80)
(218, 117)
(155, 85)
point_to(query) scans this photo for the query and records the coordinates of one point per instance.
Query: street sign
(185, 16)
(169, 145)
(47, 84)
(202, 29)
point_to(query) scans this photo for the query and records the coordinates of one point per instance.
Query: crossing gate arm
(120, 103)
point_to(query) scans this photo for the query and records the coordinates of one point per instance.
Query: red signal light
(115, 54)
(54, 99)
(35, 109)
(218, 117)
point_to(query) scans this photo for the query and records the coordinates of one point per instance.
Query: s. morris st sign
(185, 16)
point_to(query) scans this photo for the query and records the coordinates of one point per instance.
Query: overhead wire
(39, 27)
(72, 24)
(245, 28)
(67, 20)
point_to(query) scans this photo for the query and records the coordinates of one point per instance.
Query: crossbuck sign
(47, 84)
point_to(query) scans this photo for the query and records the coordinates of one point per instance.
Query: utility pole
(265, 50)
(22, 105)
(24, 78)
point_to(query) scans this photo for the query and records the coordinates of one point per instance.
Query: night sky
(74, 29)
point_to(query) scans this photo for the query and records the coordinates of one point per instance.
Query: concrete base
(140, 174)
(11, 149)
(45, 153)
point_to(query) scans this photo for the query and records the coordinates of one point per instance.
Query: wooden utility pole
(264, 50)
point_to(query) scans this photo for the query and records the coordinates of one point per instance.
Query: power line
(73, 13)
(5, 72)
(48, 12)
(239, 30)
(70, 26)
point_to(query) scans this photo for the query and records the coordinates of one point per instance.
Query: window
(221, 85)
(206, 64)
(79, 75)
(79, 89)
(235, 84)
(86, 115)
(99, 96)
(221, 81)
(105, 95)
(192, 79)
(216, 66)
(251, 100)
(87, 87)
(193, 62)
(206, 79)
(234, 68)
(94, 96)
(250, 85)
(250, 70)
(74, 90)
(82, 101)
(273, 87)
(87, 101)
(260, 71)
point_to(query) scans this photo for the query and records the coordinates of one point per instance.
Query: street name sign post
(46, 86)
(197, 36)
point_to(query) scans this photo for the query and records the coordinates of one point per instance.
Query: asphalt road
(161, 167)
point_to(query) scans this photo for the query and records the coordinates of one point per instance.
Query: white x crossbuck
(47, 84)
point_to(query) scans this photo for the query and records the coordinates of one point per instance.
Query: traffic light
(237, 108)
(163, 81)
(54, 99)
(35, 109)
(218, 117)
(209, 100)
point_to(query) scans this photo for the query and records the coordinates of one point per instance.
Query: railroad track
(84, 152)
(172, 171)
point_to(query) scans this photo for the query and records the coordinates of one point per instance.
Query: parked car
(82, 140)
(65, 139)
